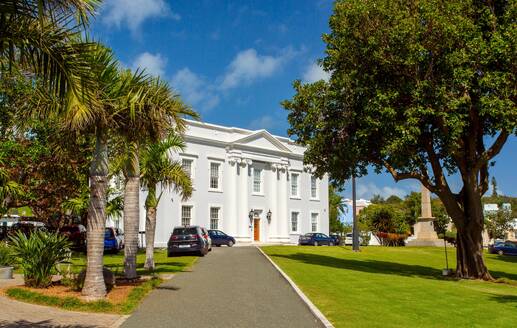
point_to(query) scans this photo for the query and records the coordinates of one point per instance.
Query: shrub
(39, 255)
(5, 255)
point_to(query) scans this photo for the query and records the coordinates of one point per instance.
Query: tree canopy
(419, 89)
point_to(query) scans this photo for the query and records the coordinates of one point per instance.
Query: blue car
(505, 248)
(316, 239)
(220, 238)
(113, 240)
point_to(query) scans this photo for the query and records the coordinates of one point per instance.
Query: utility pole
(355, 232)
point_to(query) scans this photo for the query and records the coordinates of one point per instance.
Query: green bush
(5, 255)
(39, 255)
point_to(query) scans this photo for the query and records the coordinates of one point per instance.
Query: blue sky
(234, 62)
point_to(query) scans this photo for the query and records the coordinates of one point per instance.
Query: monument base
(425, 242)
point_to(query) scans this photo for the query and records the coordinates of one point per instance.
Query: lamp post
(355, 232)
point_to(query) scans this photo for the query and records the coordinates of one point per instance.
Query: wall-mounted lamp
(268, 216)
(250, 215)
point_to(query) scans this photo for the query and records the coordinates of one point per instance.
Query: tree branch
(493, 150)
(398, 176)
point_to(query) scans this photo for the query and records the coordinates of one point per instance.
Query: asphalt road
(230, 287)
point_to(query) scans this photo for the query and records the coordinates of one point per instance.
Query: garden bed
(122, 299)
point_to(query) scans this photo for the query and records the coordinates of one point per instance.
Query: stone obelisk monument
(424, 230)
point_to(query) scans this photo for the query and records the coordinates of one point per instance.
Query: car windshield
(108, 233)
(309, 234)
(185, 231)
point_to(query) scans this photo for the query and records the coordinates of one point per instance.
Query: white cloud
(195, 90)
(248, 66)
(132, 13)
(367, 190)
(273, 123)
(315, 73)
(153, 64)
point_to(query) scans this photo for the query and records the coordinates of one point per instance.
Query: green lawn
(115, 262)
(398, 287)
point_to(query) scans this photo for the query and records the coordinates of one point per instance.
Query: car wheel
(315, 243)
(230, 243)
(500, 252)
(202, 253)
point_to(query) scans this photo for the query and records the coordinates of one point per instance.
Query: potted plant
(6, 270)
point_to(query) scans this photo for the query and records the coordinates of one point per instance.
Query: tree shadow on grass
(39, 324)
(504, 298)
(369, 266)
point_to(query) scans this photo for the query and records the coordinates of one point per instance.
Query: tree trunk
(94, 287)
(150, 229)
(469, 241)
(470, 263)
(131, 216)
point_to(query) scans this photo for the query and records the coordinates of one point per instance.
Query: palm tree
(157, 167)
(159, 112)
(40, 39)
(117, 92)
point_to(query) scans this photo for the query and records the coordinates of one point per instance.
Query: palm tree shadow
(369, 266)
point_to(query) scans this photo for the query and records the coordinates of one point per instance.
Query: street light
(355, 232)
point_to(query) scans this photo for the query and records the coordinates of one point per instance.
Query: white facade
(236, 172)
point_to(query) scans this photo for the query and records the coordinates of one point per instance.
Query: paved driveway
(230, 287)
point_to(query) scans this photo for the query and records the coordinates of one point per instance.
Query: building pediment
(262, 139)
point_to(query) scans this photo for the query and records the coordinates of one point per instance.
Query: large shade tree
(423, 90)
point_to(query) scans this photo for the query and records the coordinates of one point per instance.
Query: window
(187, 165)
(314, 222)
(314, 187)
(214, 218)
(186, 215)
(214, 176)
(294, 185)
(294, 221)
(257, 181)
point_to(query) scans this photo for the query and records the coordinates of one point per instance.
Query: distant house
(491, 208)
(347, 204)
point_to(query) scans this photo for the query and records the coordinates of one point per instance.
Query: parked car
(76, 234)
(220, 238)
(185, 240)
(206, 235)
(506, 248)
(113, 240)
(349, 239)
(337, 238)
(315, 239)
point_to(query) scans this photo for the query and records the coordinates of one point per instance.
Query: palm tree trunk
(131, 214)
(150, 227)
(94, 287)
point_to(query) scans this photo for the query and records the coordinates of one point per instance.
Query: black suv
(185, 240)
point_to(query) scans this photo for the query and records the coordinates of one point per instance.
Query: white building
(250, 184)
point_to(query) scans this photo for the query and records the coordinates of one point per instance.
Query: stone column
(283, 216)
(230, 217)
(243, 192)
(273, 200)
